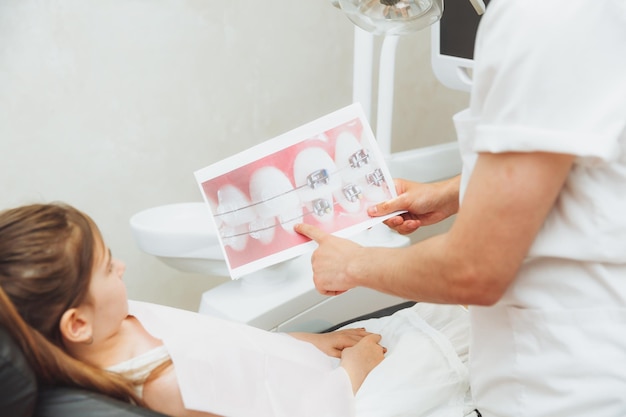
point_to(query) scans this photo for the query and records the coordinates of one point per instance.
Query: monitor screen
(452, 43)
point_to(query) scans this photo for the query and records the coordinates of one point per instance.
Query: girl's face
(107, 293)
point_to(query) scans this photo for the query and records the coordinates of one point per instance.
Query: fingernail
(372, 210)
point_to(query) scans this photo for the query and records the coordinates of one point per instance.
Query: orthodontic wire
(280, 223)
(274, 225)
(256, 203)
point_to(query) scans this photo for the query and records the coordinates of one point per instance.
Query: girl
(63, 299)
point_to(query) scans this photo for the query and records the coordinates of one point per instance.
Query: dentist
(538, 245)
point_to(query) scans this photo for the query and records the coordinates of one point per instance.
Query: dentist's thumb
(310, 231)
(386, 207)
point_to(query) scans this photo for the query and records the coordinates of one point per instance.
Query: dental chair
(21, 395)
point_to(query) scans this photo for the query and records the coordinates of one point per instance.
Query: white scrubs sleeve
(577, 103)
(535, 92)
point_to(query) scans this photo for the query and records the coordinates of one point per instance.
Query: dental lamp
(389, 18)
(396, 17)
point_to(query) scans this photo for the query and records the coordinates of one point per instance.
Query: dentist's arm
(507, 200)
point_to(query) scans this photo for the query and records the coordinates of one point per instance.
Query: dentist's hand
(329, 261)
(425, 204)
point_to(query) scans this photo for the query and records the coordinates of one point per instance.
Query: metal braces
(317, 179)
(321, 207)
(375, 177)
(352, 193)
(359, 158)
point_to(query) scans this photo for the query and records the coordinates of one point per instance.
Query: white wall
(111, 105)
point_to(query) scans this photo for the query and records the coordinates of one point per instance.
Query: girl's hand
(360, 359)
(333, 343)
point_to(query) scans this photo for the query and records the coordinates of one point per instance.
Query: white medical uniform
(550, 76)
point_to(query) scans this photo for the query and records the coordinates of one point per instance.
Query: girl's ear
(76, 327)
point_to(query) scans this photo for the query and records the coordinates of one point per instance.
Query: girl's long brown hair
(46, 261)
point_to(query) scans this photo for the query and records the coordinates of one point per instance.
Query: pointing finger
(310, 231)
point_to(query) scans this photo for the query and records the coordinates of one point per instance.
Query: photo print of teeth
(326, 173)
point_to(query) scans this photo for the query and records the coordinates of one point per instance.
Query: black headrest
(18, 385)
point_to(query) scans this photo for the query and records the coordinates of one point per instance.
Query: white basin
(427, 164)
(182, 235)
